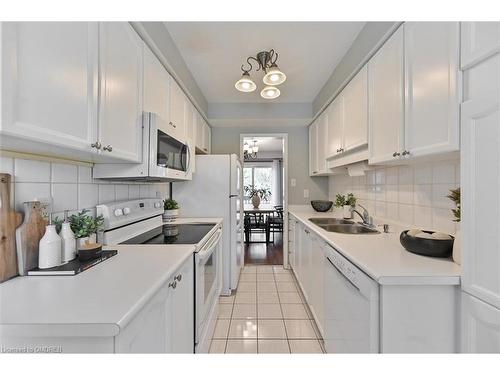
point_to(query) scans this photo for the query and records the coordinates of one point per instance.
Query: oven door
(169, 157)
(207, 282)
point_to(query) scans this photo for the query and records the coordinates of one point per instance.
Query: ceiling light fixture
(245, 84)
(250, 152)
(270, 92)
(266, 61)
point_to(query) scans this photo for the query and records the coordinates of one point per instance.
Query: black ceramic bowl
(321, 206)
(426, 246)
(90, 253)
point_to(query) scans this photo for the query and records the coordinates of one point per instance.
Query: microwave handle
(188, 167)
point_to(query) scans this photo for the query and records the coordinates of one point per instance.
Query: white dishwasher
(351, 307)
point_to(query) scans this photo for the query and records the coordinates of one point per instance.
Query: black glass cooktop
(181, 234)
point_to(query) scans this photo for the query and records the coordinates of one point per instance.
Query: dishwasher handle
(344, 276)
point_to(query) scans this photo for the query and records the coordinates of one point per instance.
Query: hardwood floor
(262, 253)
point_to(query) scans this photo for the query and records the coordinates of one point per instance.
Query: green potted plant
(454, 196)
(171, 210)
(85, 228)
(257, 194)
(347, 202)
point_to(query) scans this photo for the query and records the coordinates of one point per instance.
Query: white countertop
(97, 302)
(383, 258)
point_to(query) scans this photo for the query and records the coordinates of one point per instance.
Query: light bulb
(270, 92)
(274, 76)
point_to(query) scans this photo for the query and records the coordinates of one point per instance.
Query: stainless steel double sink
(342, 226)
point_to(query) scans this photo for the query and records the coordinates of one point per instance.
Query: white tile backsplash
(68, 186)
(414, 195)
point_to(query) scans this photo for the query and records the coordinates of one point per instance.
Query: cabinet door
(209, 139)
(181, 310)
(190, 116)
(49, 82)
(386, 100)
(336, 126)
(156, 85)
(356, 111)
(178, 101)
(480, 326)
(322, 139)
(199, 131)
(148, 331)
(313, 145)
(479, 40)
(480, 176)
(317, 297)
(121, 67)
(432, 87)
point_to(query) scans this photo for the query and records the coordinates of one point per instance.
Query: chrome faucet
(367, 219)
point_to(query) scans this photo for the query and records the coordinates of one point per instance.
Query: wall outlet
(293, 182)
(306, 193)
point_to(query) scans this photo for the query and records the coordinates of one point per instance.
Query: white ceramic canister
(68, 241)
(49, 248)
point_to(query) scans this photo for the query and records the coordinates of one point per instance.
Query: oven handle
(209, 247)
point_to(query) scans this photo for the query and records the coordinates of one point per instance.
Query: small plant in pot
(347, 202)
(454, 196)
(171, 210)
(85, 228)
(257, 194)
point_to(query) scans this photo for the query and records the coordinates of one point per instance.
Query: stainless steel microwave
(164, 157)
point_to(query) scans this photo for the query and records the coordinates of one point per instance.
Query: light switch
(293, 182)
(306, 193)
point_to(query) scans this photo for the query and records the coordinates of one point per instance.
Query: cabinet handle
(305, 230)
(172, 285)
(108, 148)
(406, 153)
(178, 277)
(396, 154)
(171, 123)
(96, 145)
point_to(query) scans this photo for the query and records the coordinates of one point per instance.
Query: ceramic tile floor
(267, 314)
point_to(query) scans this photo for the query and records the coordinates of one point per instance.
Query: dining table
(258, 222)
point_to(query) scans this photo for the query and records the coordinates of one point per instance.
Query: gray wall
(226, 140)
(363, 47)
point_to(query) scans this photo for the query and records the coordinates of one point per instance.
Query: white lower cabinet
(480, 326)
(166, 323)
(368, 316)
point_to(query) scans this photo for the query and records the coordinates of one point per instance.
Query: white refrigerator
(216, 190)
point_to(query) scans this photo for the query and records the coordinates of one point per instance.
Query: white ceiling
(308, 54)
(266, 144)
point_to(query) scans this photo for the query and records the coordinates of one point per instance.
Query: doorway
(265, 171)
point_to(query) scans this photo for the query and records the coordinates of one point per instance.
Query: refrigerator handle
(233, 195)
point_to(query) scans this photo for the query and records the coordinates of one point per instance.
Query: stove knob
(118, 212)
(157, 204)
(126, 210)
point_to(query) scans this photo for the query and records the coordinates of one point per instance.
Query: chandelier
(265, 61)
(250, 152)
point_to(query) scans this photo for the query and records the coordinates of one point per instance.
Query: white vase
(347, 213)
(457, 248)
(49, 248)
(68, 247)
(170, 215)
(256, 201)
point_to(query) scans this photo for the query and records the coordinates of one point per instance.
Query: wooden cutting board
(28, 237)
(9, 220)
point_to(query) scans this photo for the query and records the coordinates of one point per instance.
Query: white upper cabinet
(120, 108)
(479, 41)
(313, 145)
(432, 87)
(190, 122)
(49, 81)
(322, 142)
(178, 103)
(336, 125)
(386, 100)
(480, 187)
(203, 135)
(356, 111)
(156, 86)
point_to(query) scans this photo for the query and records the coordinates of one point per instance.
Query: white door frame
(285, 184)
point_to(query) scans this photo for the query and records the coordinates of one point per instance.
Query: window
(258, 176)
